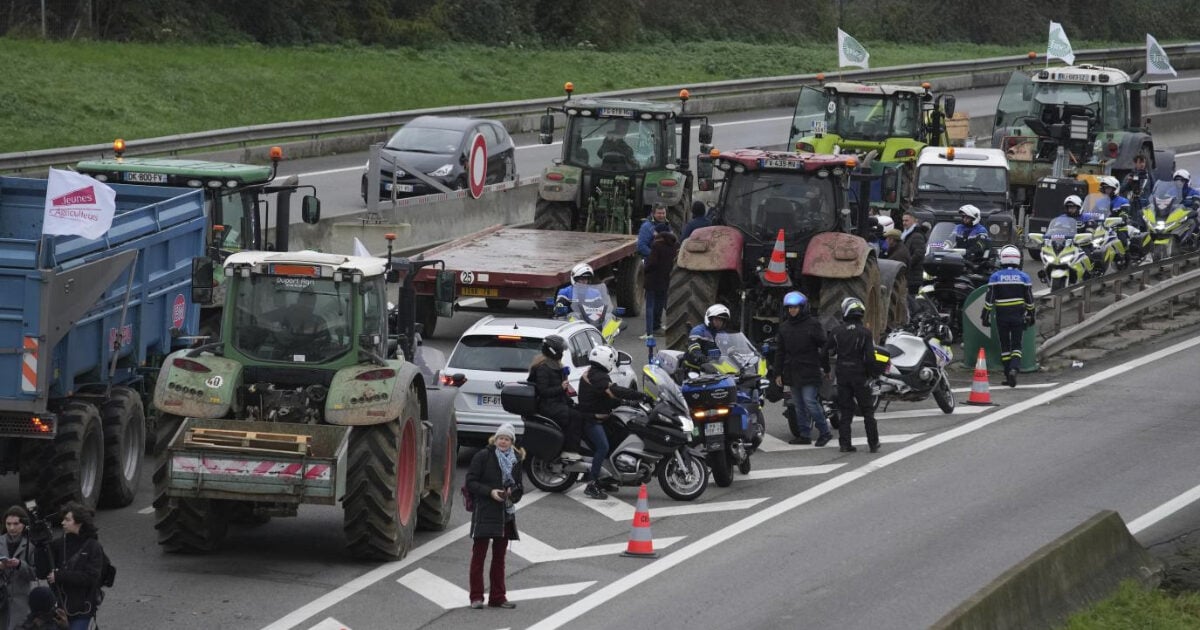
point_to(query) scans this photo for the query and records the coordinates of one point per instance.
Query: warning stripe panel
(250, 468)
(29, 365)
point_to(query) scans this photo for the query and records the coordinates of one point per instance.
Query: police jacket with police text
(1009, 296)
(854, 346)
(798, 357)
(972, 238)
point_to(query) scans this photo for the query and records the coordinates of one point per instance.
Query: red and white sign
(77, 205)
(477, 165)
(250, 468)
(178, 311)
(126, 336)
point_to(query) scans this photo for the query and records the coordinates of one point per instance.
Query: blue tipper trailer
(83, 325)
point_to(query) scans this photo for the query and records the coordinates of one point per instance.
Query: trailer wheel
(552, 215)
(70, 468)
(186, 525)
(689, 295)
(631, 285)
(124, 422)
(380, 508)
(865, 287)
(436, 506)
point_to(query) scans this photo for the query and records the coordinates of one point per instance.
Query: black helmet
(553, 346)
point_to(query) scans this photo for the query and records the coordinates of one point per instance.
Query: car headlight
(442, 171)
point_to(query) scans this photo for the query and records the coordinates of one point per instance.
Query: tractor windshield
(760, 203)
(297, 320)
(875, 118)
(1055, 103)
(616, 144)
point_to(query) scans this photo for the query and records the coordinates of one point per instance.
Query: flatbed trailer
(501, 264)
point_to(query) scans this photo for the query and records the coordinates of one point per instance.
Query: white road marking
(1163, 511)
(675, 558)
(383, 571)
(448, 595)
(797, 471)
(772, 444)
(146, 510)
(329, 623)
(619, 510)
(963, 390)
(959, 410)
(536, 551)
(1188, 154)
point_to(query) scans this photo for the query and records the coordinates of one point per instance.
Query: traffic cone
(979, 385)
(641, 543)
(776, 272)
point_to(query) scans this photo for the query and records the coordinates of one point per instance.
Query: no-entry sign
(477, 165)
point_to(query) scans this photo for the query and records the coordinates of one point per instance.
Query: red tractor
(811, 198)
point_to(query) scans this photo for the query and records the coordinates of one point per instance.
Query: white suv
(497, 351)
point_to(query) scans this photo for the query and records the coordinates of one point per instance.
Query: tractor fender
(713, 248)
(836, 255)
(653, 190)
(893, 145)
(560, 183)
(197, 394)
(355, 402)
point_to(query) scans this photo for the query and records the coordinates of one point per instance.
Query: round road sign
(477, 165)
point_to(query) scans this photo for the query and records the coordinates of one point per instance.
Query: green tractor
(893, 121)
(235, 199)
(619, 158)
(306, 398)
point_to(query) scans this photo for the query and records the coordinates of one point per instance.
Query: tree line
(600, 24)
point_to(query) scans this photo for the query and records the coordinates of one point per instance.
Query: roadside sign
(477, 165)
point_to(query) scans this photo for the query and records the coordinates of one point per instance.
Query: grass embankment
(1134, 608)
(59, 94)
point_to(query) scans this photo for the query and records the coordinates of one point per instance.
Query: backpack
(108, 573)
(468, 499)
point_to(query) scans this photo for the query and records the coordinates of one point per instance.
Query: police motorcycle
(914, 361)
(1171, 224)
(645, 438)
(951, 275)
(1064, 259)
(593, 304)
(725, 401)
(1106, 248)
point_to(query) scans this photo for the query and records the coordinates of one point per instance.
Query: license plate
(146, 178)
(818, 127)
(616, 111)
(489, 399)
(398, 187)
(714, 428)
(778, 163)
(479, 291)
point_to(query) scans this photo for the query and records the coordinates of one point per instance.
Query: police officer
(1010, 297)
(970, 234)
(703, 337)
(1189, 195)
(1073, 209)
(854, 346)
(798, 363)
(598, 396)
(1117, 204)
(580, 274)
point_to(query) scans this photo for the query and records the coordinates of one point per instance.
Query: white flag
(1156, 58)
(850, 52)
(1059, 47)
(77, 204)
(360, 249)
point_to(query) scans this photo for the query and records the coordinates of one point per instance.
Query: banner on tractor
(1059, 47)
(1156, 58)
(850, 52)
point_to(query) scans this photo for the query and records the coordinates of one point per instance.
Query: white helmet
(1182, 173)
(716, 310)
(1010, 255)
(603, 356)
(1072, 199)
(1110, 181)
(885, 222)
(853, 307)
(582, 270)
(971, 211)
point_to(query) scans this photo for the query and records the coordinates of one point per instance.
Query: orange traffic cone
(641, 543)
(776, 272)
(979, 385)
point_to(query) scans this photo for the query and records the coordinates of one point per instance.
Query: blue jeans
(80, 623)
(809, 411)
(595, 434)
(656, 302)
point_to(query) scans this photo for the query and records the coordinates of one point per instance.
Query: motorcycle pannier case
(540, 436)
(519, 399)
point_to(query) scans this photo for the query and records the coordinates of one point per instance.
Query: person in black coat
(798, 364)
(699, 219)
(78, 561)
(854, 345)
(494, 480)
(658, 276)
(598, 397)
(915, 240)
(554, 394)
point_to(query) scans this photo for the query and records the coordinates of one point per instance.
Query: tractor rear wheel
(186, 525)
(69, 468)
(124, 425)
(689, 295)
(893, 282)
(631, 285)
(382, 486)
(864, 287)
(552, 215)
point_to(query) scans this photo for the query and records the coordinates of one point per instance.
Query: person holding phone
(494, 479)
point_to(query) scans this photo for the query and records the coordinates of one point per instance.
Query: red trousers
(495, 575)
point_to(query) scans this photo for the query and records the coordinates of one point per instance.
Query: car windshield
(495, 353)
(425, 140)
(934, 178)
(616, 144)
(300, 320)
(761, 203)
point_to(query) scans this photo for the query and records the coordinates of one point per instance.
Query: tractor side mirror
(1160, 97)
(704, 173)
(203, 281)
(706, 133)
(310, 209)
(948, 102)
(546, 129)
(443, 293)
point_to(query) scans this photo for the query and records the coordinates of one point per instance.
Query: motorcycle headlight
(442, 171)
(686, 423)
(1161, 225)
(1047, 258)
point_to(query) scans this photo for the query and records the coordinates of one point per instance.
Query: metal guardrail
(244, 136)
(1084, 297)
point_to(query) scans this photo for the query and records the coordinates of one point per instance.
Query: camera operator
(17, 569)
(78, 561)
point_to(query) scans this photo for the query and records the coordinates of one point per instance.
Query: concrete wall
(1081, 567)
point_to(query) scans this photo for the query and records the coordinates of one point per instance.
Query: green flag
(850, 52)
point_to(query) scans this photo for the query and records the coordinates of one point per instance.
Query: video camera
(38, 529)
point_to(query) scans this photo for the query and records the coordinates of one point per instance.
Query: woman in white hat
(494, 480)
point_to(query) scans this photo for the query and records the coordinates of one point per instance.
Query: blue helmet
(795, 298)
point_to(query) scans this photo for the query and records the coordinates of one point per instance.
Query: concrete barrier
(1079, 568)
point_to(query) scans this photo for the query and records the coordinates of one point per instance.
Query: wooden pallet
(250, 440)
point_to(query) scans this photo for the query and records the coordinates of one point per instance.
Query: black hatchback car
(438, 147)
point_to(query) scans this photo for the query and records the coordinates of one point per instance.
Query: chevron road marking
(448, 595)
(776, 473)
(619, 510)
(772, 444)
(535, 551)
(330, 623)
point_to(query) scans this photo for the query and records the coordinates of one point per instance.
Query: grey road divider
(1080, 567)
